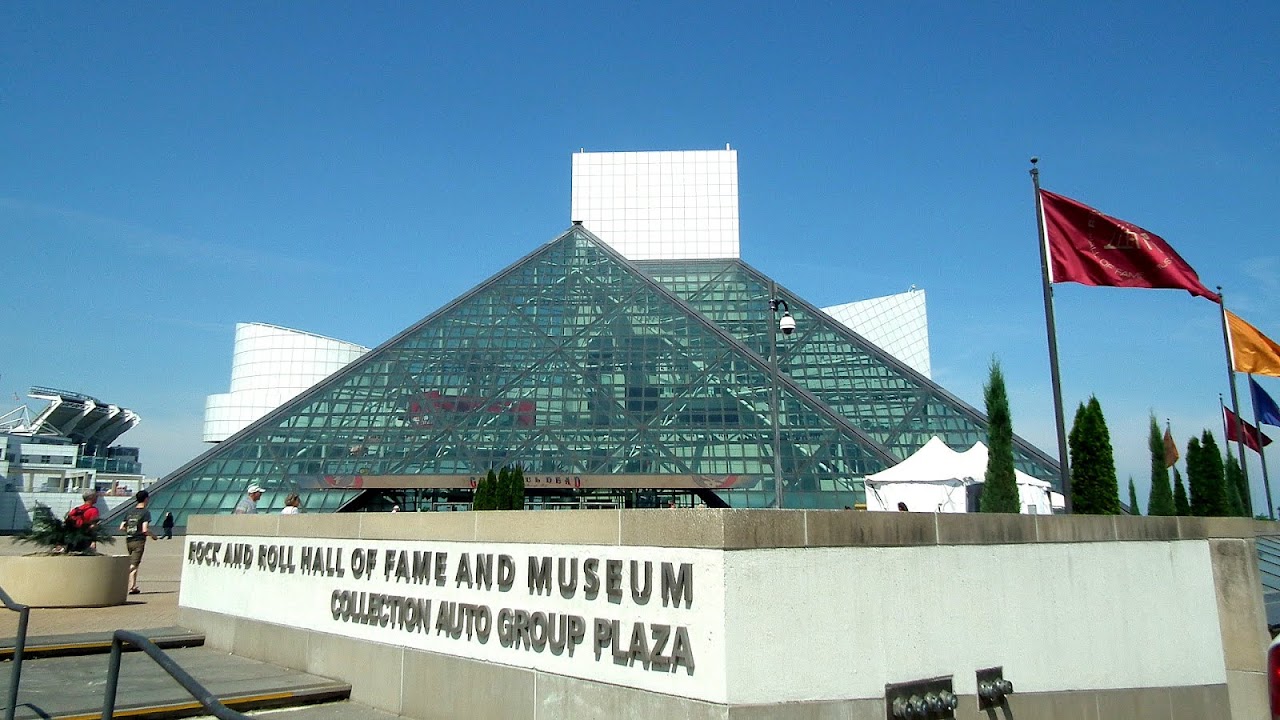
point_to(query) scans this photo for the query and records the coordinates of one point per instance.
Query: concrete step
(96, 642)
(345, 710)
(73, 686)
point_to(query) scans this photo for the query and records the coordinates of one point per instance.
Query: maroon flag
(1090, 248)
(1253, 439)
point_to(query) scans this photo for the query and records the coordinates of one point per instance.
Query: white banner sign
(649, 618)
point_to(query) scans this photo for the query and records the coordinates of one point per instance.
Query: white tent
(931, 480)
(1033, 493)
(935, 478)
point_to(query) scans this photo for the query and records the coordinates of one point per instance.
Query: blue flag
(1263, 406)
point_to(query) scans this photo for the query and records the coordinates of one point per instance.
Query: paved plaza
(156, 606)
(72, 686)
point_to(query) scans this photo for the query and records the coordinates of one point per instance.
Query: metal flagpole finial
(1035, 169)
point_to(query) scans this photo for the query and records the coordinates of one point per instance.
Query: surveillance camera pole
(774, 302)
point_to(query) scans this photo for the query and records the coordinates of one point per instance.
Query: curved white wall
(271, 365)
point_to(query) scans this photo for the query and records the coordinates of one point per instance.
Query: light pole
(787, 325)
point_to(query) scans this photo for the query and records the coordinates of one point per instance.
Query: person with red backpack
(84, 517)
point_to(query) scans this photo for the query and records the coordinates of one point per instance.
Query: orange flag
(1251, 351)
(1170, 448)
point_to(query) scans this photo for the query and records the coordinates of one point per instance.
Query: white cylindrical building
(270, 366)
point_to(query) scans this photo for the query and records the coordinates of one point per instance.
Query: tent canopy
(935, 462)
(975, 459)
(934, 477)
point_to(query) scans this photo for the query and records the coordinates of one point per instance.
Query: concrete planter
(66, 580)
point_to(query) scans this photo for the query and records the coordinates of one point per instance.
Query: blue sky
(170, 169)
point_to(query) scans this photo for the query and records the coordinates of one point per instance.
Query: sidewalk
(156, 606)
(76, 682)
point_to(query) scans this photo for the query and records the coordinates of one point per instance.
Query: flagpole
(1266, 479)
(1063, 468)
(1235, 402)
(1222, 411)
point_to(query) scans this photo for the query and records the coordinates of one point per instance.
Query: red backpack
(75, 518)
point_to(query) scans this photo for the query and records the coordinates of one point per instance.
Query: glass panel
(890, 402)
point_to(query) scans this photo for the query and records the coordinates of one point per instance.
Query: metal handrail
(207, 700)
(19, 644)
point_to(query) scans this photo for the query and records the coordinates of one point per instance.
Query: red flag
(1090, 248)
(1251, 433)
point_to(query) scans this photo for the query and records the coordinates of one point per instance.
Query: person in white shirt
(292, 505)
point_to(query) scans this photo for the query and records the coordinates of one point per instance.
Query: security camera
(787, 324)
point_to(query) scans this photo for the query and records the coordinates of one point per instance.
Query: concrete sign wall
(649, 618)
(823, 623)
(722, 614)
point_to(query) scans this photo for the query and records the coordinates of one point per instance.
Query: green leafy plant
(56, 535)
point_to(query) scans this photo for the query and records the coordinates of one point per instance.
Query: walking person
(137, 528)
(167, 524)
(248, 504)
(292, 505)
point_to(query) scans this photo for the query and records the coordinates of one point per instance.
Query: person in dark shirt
(137, 528)
(167, 524)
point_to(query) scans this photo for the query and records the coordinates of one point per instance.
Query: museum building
(631, 361)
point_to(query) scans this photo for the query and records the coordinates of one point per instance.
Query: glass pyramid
(887, 399)
(600, 377)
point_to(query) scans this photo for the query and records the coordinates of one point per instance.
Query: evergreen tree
(495, 491)
(515, 497)
(1181, 506)
(1094, 488)
(1000, 488)
(1236, 493)
(1078, 491)
(1133, 499)
(1110, 483)
(504, 481)
(1212, 459)
(1234, 506)
(1160, 501)
(1195, 479)
(503, 489)
(486, 492)
(1205, 477)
